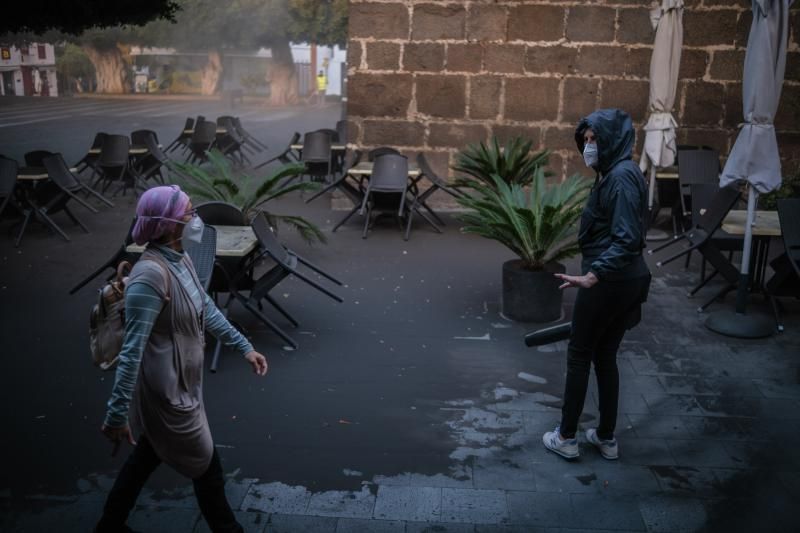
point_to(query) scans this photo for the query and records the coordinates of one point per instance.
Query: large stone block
(635, 27)
(602, 60)
(536, 23)
(575, 165)
(551, 59)
(590, 23)
(378, 20)
(713, 137)
(693, 64)
(733, 106)
(793, 65)
(441, 95)
(448, 134)
(561, 139)
(788, 115)
(629, 95)
(487, 23)
(423, 57)
(580, 98)
(382, 55)
(707, 28)
(703, 105)
(354, 54)
(505, 58)
(529, 99)
(464, 57)
(433, 21)
(789, 150)
(484, 96)
(379, 94)
(743, 24)
(506, 132)
(393, 132)
(440, 163)
(638, 62)
(555, 164)
(353, 131)
(727, 65)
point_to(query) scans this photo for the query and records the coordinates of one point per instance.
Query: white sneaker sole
(600, 449)
(563, 454)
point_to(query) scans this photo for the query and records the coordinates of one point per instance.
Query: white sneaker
(568, 449)
(608, 448)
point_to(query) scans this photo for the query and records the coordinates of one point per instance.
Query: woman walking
(614, 283)
(160, 372)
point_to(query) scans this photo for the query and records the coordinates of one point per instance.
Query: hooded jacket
(612, 229)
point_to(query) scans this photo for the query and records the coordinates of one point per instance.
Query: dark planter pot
(530, 296)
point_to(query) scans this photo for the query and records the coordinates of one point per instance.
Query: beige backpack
(107, 320)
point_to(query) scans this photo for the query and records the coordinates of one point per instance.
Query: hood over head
(615, 136)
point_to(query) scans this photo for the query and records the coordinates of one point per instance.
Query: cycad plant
(539, 225)
(513, 163)
(219, 182)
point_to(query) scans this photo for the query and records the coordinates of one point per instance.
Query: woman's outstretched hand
(584, 282)
(258, 362)
(117, 435)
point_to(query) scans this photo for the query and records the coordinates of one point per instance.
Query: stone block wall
(431, 76)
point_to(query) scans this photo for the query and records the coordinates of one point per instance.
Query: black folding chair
(182, 140)
(139, 137)
(700, 238)
(436, 184)
(231, 144)
(287, 156)
(60, 173)
(120, 255)
(387, 191)
(114, 164)
(383, 150)
(785, 282)
(90, 159)
(341, 129)
(8, 183)
(203, 255)
(151, 165)
(35, 158)
(317, 155)
(203, 139)
(343, 182)
(249, 137)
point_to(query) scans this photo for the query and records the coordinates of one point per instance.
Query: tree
(75, 16)
(73, 65)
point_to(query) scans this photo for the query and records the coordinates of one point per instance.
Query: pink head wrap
(154, 207)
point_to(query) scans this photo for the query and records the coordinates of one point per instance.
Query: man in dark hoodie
(614, 278)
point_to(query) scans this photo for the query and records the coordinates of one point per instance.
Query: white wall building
(29, 71)
(331, 60)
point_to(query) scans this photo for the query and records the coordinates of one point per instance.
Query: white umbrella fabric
(754, 158)
(659, 142)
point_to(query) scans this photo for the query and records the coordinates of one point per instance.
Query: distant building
(28, 71)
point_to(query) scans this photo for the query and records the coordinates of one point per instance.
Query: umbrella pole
(653, 234)
(738, 323)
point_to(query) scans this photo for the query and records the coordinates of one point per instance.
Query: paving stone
(646, 452)
(605, 512)
(559, 476)
(347, 504)
(771, 388)
(251, 522)
(633, 403)
(614, 477)
(421, 504)
(474, 506)
(276, 498)
(540, 509)
(664, 426)
(714, 428)
(439, 527)
(285, 523)
(163, 519)
(766, 455)
(669, 514)
(641, 383)
(648, 367)
(181, 497)
(503, 473)
(791, 480)
(360, 525)
(462, 478)
(672, 404)
(686, 481)
(701, 453)
(236, 491)
(42, 516)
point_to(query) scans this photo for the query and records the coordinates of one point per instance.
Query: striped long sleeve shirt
(142, 307)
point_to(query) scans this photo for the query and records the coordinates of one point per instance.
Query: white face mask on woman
(590, 156)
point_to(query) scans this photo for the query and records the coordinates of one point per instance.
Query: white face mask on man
(590, 155)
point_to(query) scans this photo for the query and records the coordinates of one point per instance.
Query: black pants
(209, 489)
(599, 320)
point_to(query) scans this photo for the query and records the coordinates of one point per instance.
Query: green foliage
(319, 22)
(790, 188)
(219, 182)
(539, 225)
(513, 164)
(72, 62)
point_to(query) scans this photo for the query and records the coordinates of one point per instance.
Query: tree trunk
(281, 76)
(111, 69)
(212, 73)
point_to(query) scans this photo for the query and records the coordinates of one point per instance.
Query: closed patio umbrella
(659, 142)
(754, 158)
